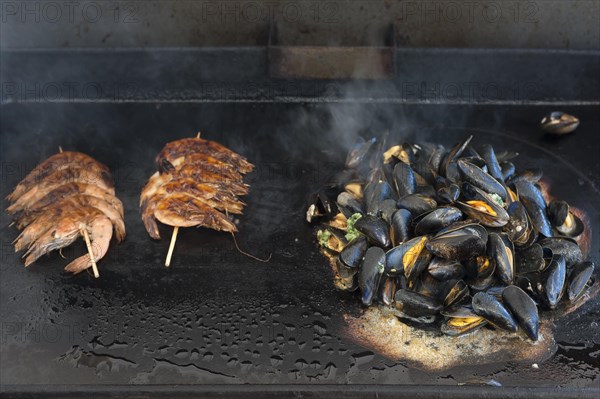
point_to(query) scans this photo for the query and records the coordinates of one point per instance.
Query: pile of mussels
(453, 236)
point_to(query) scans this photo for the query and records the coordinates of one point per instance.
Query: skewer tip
(88, 244)
(171, 246)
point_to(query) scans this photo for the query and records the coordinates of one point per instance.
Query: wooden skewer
(88, 244)
(60, 149)
(171, 246)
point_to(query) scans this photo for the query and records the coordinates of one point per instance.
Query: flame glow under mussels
(457, 237)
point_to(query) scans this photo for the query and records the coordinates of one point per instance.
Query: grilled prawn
(197, 180)
(67, 196)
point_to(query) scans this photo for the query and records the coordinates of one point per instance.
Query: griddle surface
(216, 316)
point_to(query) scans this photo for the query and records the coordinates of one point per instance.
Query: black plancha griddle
(218, 323)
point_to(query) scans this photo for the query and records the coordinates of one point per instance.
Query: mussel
(320, 207)
(523, 308)
(436, 220)
(490, 308)
(444, 269)
(414, 304)
(579, 279)
(530, 260)
(518, 228)
(563, 219)
(559, 123)
(417, 204)
(461, 320)
(501, 251)
(375, 229)
(345, 278)
(401, 226)
(349, 205)
(460, 244)
(409, 257)
(454, 292)
(447, 191)
(354, 252)
(534, 203)
(387, 290)
(493, 167)
(376, 196)
(359, 152)
(565, 247)
(482, 207)
(404, 179)
(554, 280)
(454, 153)
(508, 170)
(370, 273)
(474, 175)
(332, 240)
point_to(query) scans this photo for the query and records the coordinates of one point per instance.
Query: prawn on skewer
(197, 184)
(70, 195)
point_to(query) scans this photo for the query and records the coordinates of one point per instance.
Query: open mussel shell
(320, 207)
(370, 273)
(564, 246)
(490, 308)
(559, 123)
(518, 228)
(401, 226)
(454, 153)
(349, 205)
(359, 152)
(481, 273)
(535, 204)
(332, 240)
(554, 279)
(501, 250)
(417, 204)
(345, 278)
(563, 219)
(460, 244)
(436, 220)
(455, 291)
(476, 176)
(579, 279)
(354, 252)
(354, 188)
(482, 207)
(523, 308)
(410, 258)
(399, 153)
(461, 320)
(416, 305)
(375, 229)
